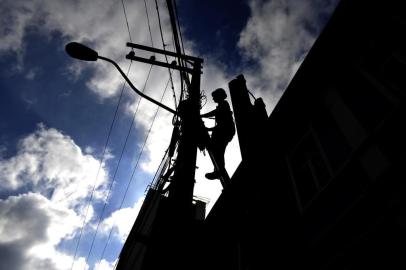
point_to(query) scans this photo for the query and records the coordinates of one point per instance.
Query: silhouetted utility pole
(181, 191)
(169, 241)
(161, 236)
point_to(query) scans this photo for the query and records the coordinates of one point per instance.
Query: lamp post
(82, 52)
(181, 193)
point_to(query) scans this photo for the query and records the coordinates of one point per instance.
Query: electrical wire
(105, 146)
(164, 48)
(150, 206)
(128, 26)
(184, 78)
(252, 95)
(149, 25)
(100, 165)
(203, 99)
(133, 172)
(177, 23)
(115, 174)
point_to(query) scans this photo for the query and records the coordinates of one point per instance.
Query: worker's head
(219, 94)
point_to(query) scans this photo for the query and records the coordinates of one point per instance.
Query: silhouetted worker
(222, 132)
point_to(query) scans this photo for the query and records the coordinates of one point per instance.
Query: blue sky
(56, 112)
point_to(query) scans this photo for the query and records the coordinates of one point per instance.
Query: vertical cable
(164, 48)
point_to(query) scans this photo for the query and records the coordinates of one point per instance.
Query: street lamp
(81, 52)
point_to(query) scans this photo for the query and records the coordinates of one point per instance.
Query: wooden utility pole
(166, 242)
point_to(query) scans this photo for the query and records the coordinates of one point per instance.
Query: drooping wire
(100, 165)
(203, 99)
(164, 48)
(115, 174)
(251, 94)
(149, 25)
(149, 130)
(122, 90)
(105, 146)
(126, 19)
(133, 172)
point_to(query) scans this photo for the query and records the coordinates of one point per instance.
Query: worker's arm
(209, 114)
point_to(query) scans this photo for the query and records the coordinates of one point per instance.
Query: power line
(115, 173)
(133, 173)
(105, 146)
(164, 48)
(149, 25)
(100, 164)
(182, 63)
(149, 206)
(125, 15)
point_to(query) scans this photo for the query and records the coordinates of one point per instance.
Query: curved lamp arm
(134, 88)
(81, 52)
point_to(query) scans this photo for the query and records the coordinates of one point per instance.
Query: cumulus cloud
(50, 163)
(277, 37)
(31, 223)
(122, 220)
(105, 265)
(100, 24)
(52, 178)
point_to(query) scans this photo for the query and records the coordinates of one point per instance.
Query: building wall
(327, 188)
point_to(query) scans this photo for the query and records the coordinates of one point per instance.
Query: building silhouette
(322, 182)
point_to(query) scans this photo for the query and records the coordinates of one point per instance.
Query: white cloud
(277, 37)
(13, 25)
(53, 178)
(99, 24)
(50, 163)
(122, 220)
(105, 265)
(31, 226)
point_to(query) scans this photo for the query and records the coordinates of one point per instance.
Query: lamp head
(81, 52)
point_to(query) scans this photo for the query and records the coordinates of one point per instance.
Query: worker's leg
(217, 148)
